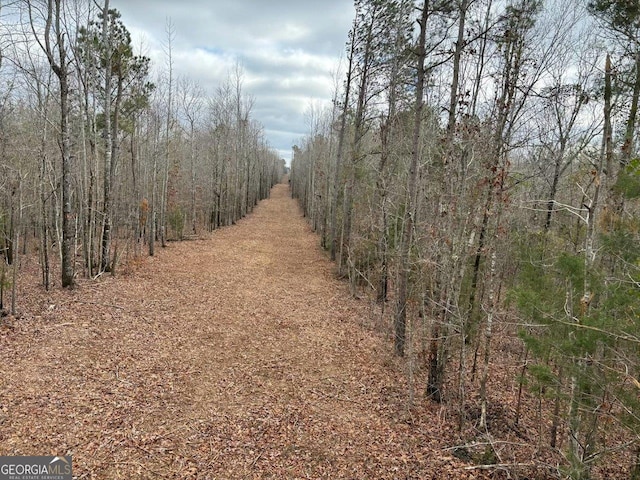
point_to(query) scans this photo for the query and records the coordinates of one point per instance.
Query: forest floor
(235, 356)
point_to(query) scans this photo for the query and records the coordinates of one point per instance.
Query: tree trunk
(337, 182)
(105, 251)
(59, 66)
(457, 57)
(400, 322)
(44, 103)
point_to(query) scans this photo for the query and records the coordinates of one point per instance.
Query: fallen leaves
(238, 356)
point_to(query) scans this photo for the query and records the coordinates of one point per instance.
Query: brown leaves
(239, 356)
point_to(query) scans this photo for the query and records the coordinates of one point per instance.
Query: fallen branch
(255, 460)
(498, 466)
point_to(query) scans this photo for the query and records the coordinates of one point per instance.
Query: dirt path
(239, 356)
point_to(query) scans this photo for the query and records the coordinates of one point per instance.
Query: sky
(289, 50)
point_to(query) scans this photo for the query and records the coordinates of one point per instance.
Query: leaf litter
(239, 355)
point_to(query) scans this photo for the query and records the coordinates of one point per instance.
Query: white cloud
(289, 50)
(202, 65)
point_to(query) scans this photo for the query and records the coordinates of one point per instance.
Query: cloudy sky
(289, 50)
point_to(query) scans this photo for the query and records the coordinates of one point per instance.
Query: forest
(475, 179)
(478, 175)
(99, 160)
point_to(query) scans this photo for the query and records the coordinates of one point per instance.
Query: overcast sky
(289, 50)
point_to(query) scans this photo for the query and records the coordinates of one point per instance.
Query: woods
(103, 154)
(479, 166)
(474, 178)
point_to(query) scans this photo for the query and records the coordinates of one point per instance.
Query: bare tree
(56, 52)
(400, 324)
(191, 96)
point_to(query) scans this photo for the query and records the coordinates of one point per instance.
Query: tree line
(101, 159)
(477, 172)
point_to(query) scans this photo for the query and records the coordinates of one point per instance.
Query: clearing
(237, 356)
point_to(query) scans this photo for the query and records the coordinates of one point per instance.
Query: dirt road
(238, 356)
